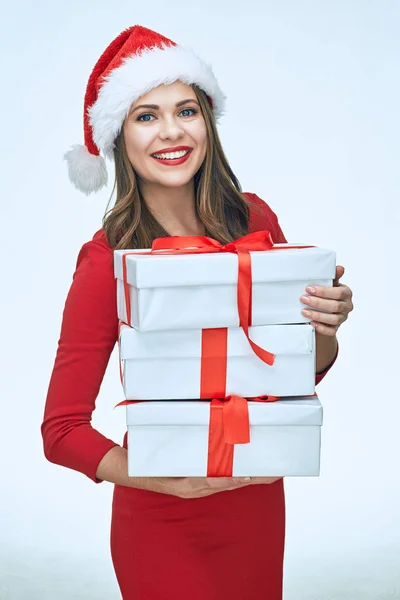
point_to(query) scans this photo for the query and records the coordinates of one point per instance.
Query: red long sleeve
(263, 218)
(88, 334)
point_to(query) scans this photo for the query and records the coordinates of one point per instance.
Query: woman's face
(166, 143)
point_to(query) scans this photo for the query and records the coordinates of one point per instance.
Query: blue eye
(145, 115)
(189, 109)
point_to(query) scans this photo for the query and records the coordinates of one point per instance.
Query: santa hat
(137, 61)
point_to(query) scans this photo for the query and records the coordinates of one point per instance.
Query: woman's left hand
(337, 300)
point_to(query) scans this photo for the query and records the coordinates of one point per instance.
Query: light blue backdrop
(313, 128)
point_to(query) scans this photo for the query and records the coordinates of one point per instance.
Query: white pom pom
(86, 171)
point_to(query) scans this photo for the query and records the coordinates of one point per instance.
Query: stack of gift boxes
(217, 361)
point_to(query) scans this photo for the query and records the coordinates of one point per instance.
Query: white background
(313, 128)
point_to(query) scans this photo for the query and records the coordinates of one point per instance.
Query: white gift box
(167, 364)
(170, 439)
(200, 290)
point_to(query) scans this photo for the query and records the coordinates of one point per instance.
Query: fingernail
(305, 299)
(306, 313)
(312, 290)
(244, 479)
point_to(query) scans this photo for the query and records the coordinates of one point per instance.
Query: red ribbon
(214, 352)
(258, 241)
(229, 415)
(229, 425)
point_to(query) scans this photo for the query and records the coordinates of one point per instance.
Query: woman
(152, 106)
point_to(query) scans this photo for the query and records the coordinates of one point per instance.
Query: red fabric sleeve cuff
(84, 449)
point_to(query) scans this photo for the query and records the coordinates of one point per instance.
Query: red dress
(226, 546)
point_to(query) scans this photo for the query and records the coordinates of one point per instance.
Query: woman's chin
(174, 180)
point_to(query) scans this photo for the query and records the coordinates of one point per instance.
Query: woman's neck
(174, 208)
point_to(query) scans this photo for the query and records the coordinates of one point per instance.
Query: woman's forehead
(167, 94)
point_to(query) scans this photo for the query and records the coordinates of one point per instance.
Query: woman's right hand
(196, 487)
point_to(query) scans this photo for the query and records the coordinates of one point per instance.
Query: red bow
(229, 425)
(253, 242)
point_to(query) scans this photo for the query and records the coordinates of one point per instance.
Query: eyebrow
(156, 107)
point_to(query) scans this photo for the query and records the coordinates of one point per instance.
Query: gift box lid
(152, 271)
(186, 343)
(306, 410)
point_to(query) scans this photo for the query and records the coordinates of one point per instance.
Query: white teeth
(171, 155)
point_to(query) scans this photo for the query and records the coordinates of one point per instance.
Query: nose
(171, 128)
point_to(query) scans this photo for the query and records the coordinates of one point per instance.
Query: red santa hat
(137, 61)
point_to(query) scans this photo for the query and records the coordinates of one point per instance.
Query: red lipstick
(173, 162)
(176, 149)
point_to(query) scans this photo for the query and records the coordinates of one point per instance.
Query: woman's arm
(263, 218)
(326, 351)
(113, 467)
(88, 334)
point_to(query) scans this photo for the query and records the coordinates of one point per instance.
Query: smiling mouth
(172, 155)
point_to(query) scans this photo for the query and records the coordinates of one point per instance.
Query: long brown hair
(220, 203)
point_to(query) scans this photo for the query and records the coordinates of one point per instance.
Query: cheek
(137, 141)
(199, 134)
